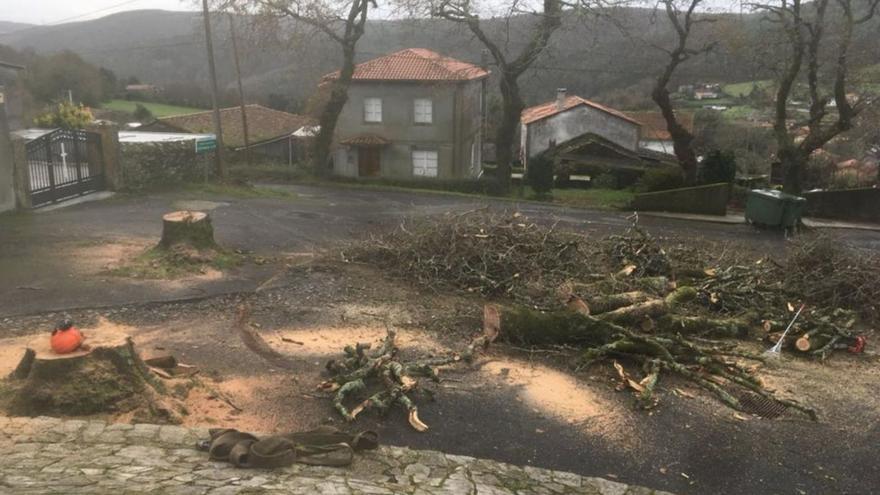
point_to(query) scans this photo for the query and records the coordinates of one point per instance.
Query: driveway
(56, 260)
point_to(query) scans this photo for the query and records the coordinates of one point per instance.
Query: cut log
(604, 304)
(654, 308)
(191, 228)
(523, 326)
(705, 326)
(109, 377)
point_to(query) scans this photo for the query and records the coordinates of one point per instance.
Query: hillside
(8, 27)
(589, 57)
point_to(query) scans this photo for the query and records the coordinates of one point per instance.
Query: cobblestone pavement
(48, 455)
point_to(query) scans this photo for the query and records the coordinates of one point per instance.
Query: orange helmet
(66, 338)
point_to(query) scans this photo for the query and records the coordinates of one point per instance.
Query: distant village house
(655, 135)
(274, 134)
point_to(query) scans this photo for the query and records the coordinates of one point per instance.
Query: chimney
(560, 98)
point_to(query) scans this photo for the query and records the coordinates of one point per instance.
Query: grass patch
(744, 89)
(161, 264)
(603, 199)
(267, 173)
(157, 109)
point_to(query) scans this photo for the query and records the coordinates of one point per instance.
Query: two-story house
(411, 114)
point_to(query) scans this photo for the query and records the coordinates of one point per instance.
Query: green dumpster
(773, 208)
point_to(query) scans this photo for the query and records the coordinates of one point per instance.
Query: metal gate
(63, 164)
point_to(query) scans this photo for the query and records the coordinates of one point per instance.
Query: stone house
(585, 137)
(568, 117)
(411, 114)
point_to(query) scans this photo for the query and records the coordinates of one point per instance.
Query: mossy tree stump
(190, 228)
(109, 377)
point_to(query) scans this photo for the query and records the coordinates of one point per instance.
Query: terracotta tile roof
(414, 64)
(264, 124)
(365, 140)
(654, 125)
(544, 110)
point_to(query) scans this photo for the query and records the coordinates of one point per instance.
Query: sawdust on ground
(563, 397)
(324, 341)
(244, 403)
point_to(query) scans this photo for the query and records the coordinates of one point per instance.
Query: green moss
(158, 263)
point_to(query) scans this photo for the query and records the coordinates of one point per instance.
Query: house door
(368, 161)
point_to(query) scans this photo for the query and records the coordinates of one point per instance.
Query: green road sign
(205, 144)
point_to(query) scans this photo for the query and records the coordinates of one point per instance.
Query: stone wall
(147, 165)
(847, 204)
(704, 200)
(7, 170)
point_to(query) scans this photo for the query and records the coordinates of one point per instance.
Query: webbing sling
(324, 446)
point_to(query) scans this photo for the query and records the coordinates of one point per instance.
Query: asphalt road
(52, 261)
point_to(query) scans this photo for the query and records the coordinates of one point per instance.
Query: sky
(58, 11)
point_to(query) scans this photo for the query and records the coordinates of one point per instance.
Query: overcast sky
(58, 11)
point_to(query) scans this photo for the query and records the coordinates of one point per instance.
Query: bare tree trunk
(241, 104)
(506, 132)
(806, 38)
(345, 30)
(681, 138)
(332, 110)
(511, 69)
(683, 23)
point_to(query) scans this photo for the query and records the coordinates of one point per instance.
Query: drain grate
(762, 406)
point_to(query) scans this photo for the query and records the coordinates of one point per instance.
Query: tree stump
(192, 228)
(108, 377)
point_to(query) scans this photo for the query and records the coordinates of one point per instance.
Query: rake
(776, 350)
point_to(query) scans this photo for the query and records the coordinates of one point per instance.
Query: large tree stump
(191, 228)
(110, 377)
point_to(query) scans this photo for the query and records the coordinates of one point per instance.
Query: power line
(72, 18)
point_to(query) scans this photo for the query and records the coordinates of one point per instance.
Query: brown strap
(324, 446)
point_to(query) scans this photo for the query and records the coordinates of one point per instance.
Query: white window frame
(423, 111)
(373, 110)
(425, 163)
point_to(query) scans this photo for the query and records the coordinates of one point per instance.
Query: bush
(539, 176)
(718, 166)
(660, 179)
(66, 115)
(604, 181)
(142, 113)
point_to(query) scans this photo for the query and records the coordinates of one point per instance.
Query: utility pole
(244, 124)
(218, 128)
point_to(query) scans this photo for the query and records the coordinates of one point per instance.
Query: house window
(424, 163)
(372, 110)
(424, 111)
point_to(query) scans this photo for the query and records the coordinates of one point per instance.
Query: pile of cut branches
(494, 254)
(834, 275)
(384, 379)
(629, 298)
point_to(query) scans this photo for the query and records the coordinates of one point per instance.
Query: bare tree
(683, 19)
(805, 28)
(343, 21)
(510, 66)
